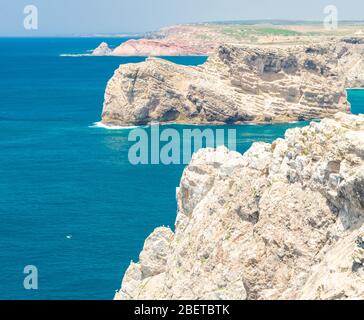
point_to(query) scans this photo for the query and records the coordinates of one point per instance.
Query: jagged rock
(238, 84)
(354, 40)
(102, 50)
(282, 221)
(153, 261)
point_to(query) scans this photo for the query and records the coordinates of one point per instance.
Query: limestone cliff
(238, 84)
(282, 221)
(149, 47)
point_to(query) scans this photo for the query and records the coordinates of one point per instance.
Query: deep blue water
(60, 176)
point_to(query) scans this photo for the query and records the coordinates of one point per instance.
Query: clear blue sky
(65, 17)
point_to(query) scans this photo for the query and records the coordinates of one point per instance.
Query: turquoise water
(356, 98)
(61, 177)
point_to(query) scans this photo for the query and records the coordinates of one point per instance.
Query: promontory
(237, 84)
(283, 221)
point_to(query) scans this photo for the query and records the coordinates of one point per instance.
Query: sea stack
(102, 50)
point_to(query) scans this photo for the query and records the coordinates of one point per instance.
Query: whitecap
(110, 127)
(75, 55)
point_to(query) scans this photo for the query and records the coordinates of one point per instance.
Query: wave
(75, 55)
(109, 127)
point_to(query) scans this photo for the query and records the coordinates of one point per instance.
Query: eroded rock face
(238, 84)
(148, 48)
(282, 221)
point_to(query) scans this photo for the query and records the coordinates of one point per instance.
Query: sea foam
(75, 55)
(109, 127)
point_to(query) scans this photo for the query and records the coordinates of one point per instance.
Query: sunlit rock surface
(238, 84)
(282, 221)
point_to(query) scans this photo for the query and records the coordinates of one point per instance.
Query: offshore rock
(102, 50)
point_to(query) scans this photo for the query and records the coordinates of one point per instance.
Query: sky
(69, 17)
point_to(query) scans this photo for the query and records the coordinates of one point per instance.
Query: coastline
(295, 167)
(278, 85)
(78, 181)
(204, 124)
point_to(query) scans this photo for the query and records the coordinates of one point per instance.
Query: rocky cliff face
(153, 48)
(148, 47)
(238, 84)
(282, 221)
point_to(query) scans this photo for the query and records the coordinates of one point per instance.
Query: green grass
(277, 32)
(239, 32)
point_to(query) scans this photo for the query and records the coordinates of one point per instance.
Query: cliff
(149, 47)
(282, 221)
(238, 84)
(202, 39)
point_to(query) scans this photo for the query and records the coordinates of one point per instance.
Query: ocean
(71, 204)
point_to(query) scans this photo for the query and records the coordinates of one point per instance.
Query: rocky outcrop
(148, 47)
(354, 40)
(238, 84)
(282, 221)
(102, 50)
(151, 48)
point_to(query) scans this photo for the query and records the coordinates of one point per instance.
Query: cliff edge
(283, 221)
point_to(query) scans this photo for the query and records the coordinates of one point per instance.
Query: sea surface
(71, 204)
